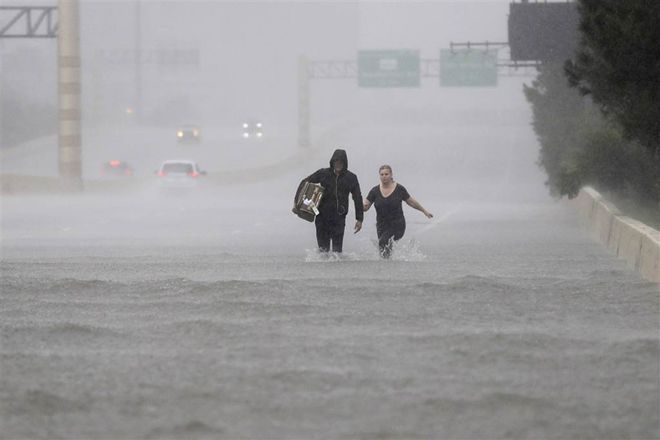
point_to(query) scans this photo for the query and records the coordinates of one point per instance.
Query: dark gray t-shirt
(389, 209)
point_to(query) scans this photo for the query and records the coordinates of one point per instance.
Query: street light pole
(138, 64)
(69, 89)
(303, 103)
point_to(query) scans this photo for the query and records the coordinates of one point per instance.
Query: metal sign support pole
(137, 111)
(69, 89)
(303, 103)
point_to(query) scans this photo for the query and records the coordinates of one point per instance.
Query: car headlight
(259, 125)
(179, 133)
(245, 126)
(246, 135)
(258, 134)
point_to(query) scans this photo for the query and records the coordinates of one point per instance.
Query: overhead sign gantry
(29, 22)
(388, 68)
(463, 65)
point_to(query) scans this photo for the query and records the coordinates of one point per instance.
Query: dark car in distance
(252, 129)
(188, 133)
(116, 168)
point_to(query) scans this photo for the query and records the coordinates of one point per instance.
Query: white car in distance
(179, 174)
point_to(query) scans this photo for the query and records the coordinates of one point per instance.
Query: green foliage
(613, 164)
(597, 118)
(618, 64)
(580, 146)
(568, 181)
(561, 119)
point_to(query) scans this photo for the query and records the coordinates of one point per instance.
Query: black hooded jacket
(337, 187)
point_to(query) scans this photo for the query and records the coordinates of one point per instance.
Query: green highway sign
(468, 69)
(388, 68)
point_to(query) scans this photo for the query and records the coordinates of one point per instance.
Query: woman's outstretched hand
(428, 214)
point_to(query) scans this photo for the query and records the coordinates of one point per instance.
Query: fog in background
(242, 62)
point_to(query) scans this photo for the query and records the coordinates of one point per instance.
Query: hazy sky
(247, 67)
(248, 53)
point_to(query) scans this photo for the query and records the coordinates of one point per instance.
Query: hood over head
(341, 155)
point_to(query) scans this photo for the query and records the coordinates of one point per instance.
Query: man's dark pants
(330, 229)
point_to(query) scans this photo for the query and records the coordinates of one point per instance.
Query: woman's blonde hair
(385, 167)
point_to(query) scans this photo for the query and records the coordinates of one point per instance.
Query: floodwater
(212, 316)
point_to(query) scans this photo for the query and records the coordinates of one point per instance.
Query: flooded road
(212, 316)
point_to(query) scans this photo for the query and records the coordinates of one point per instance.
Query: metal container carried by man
(308, 201)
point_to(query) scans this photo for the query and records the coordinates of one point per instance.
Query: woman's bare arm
(415, 204)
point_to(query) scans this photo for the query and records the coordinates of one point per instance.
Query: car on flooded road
(116, 169)
(252, 129)
(179, 174)
(188, 133)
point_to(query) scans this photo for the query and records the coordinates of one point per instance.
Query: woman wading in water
(390, 222)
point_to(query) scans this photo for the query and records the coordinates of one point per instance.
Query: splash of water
(316, 256)
(407, 250)
(403, 250)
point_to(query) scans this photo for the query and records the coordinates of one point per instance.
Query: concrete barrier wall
(17, 184)
(629, 239)
(650, 256)
(326, 142)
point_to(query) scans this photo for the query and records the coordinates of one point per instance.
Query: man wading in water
(331, 220)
